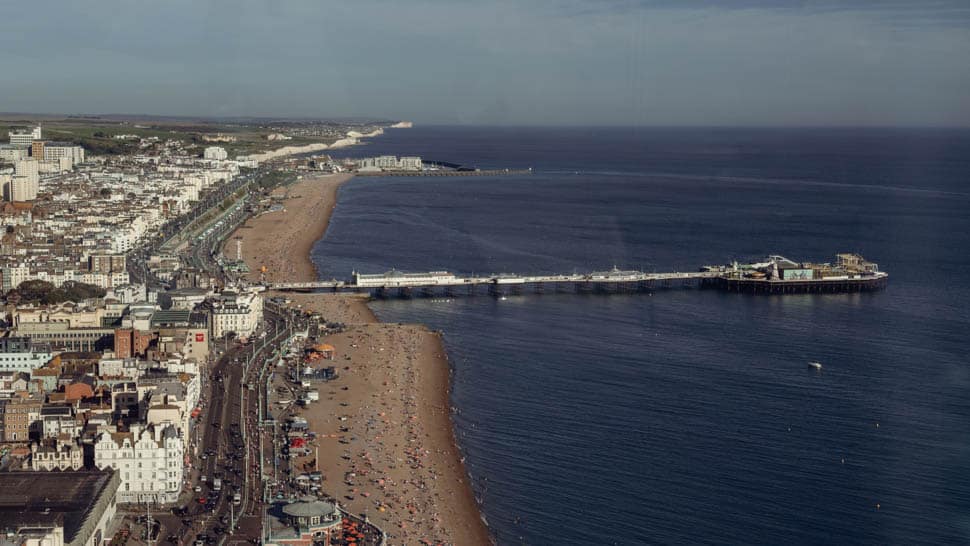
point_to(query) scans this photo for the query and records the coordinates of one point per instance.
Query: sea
(686, 415)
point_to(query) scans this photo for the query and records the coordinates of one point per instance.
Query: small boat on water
(815, 365)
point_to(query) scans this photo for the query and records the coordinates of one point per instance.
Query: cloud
(507, 61)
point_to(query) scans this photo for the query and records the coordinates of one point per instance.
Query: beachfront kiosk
(304, 522)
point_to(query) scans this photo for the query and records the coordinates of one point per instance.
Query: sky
(502, 62)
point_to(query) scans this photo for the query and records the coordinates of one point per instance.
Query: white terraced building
(56, 455)
(148, 459)
(239, 312)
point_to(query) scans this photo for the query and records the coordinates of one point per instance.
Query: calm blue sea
(690, 416)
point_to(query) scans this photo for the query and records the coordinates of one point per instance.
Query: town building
(58, 420)
(75, 315)
(73, 508)
(107, 263)
(149, 460)
(56, 454)
(10, 384)
(21, 354)
(37, 149)
(24, 184)
(59, 150)
(25, 137)
(235, 311)
(215, 152)
(21, 418)
(62, 337)
(11, 153)
(389, 163)
(130, 342)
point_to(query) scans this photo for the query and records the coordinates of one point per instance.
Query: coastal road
(226, 437)
(229, 449)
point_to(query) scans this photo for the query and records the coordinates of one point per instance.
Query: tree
(105, 193)
(33, 291)
(37, 291)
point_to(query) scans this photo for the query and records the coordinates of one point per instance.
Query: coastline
(352, 138)
(281, 241)
(386, 440)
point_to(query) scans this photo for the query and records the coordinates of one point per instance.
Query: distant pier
(450, 172)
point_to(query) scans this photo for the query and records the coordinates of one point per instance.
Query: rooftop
(171, 317)
(44, 498)
(308, 508)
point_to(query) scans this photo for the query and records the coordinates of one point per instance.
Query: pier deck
(777, 275)
(440, 283)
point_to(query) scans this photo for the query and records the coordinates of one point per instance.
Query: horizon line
(380, 120)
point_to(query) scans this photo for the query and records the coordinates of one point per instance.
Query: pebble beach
(385, 441)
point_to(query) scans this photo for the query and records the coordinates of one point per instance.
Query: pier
(449, 172)
(442, 283)
(775, 275)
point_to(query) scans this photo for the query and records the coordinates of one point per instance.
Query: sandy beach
(384, 431)
(281, 241)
